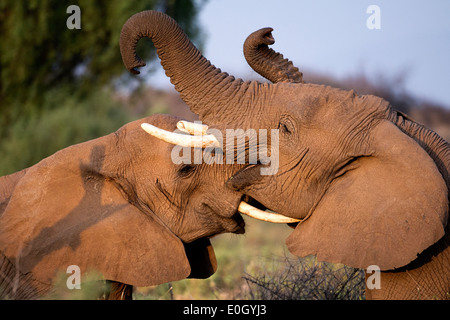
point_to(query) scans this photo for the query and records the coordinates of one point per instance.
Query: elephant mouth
(253, 208)
(239, 227)
(232, 222)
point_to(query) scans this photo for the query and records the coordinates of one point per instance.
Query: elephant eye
(186, 170)
(284, 128)
(286, 125)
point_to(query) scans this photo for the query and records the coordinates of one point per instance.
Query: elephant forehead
(325, 104)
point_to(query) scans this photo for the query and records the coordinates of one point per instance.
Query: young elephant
(118, 205)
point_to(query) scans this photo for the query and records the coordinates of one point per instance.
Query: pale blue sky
(331, 36)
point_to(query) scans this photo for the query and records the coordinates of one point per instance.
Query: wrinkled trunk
(267, 62)
(205, 88)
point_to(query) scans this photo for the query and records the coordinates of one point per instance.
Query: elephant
(368, 185)
(117, 205)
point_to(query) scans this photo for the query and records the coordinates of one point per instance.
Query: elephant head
(361, 176)
(118, 205)
(385, 191)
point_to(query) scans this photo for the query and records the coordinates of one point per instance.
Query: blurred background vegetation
(59, 87)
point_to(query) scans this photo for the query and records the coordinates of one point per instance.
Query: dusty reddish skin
(117, 205)
(371, 184)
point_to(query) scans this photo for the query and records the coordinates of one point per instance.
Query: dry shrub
(307, 279)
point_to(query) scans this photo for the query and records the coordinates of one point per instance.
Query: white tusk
(192, 127)
(183, 140)
(253, 212)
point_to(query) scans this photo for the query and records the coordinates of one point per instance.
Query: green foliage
(75, 120)
(90, 288)
(56, 83)
(39, 52)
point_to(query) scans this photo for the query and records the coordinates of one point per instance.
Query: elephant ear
(63, 213)
(384, 212)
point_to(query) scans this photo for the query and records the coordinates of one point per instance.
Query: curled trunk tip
(267, 62)
(201, 85)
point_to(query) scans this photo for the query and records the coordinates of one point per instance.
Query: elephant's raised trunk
(205, 88)
(267, 62)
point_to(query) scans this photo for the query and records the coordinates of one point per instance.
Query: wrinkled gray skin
(370, 183)
(117, 205)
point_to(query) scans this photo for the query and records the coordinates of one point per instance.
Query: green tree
(39, 52)
(57, 84)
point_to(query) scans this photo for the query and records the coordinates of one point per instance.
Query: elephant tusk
(181, 139)
(192, 128)
(253, 212)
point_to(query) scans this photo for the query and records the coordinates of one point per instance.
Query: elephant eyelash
(286, 125)
(186, 170)
(284, 128)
